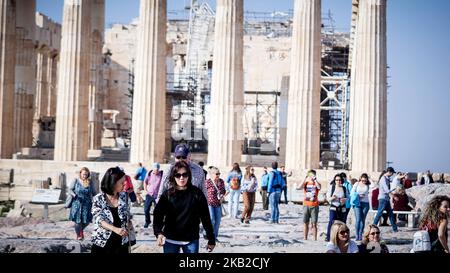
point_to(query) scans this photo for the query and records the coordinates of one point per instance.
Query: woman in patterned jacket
(111, 212)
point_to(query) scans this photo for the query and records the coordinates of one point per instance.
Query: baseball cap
(390, 169)
(155, 166)
(181, 150)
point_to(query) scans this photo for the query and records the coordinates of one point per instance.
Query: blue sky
(418, 59)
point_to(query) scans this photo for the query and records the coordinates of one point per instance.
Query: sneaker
(247, 221)
(146, 225)
(242, 220)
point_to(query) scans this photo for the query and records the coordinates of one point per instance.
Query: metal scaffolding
(190, 90)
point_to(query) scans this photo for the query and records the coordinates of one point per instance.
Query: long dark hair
(432, 216)
(334, 179)
(172, 182)
(109, 180)
(366, 176)
(236, 168)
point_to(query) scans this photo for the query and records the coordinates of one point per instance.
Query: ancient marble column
(149, 99)
(369, 89)
(225, 132)
(41, 97)
(96, 82)
(52, 74)
(7, 75)
(71, 136)
(303, 129)
(25, 82)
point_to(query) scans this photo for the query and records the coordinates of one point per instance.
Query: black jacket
(177, 216)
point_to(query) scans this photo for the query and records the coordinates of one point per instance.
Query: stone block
(6, 176)
(4, 193)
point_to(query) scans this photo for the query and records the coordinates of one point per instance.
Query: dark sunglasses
(373, 233)
(178, 175)
(181, 157)
(342, 232)
(217, 173)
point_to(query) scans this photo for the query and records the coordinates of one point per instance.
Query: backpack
(421, 241)
(276, 181)
(235, 184)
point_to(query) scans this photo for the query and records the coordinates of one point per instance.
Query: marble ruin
(236, 86)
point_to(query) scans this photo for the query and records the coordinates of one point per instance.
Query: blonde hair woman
(371, 241)
(82, 191)
(340, 239)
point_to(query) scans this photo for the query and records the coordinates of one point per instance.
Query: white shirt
(362, 189)
(352, 247)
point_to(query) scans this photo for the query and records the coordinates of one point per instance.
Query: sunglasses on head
(342, 232)
(375, 232)
(181, 157)
(178, 175)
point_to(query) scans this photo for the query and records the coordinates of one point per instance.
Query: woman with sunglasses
(371, 241)
(337, 196)
(249, 187)
(216, 192)
(340, 239)
(178, 213)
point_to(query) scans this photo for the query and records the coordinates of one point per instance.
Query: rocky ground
(32, 235)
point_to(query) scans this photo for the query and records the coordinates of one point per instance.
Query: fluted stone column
(96, 82)
(369, 89)
(52, 74)
(71, 137)
(41, 97)
(25, 82)
(7, 75)
(149, 100)
(303, 129)
(225, 132)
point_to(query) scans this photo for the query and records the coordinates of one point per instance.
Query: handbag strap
(215, 186)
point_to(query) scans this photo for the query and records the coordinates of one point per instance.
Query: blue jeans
(274, 199)
(233, 203)
(192, 247)
(216, 215)
(360, 214)
(384, 204)
(147, 205)
(337, 214)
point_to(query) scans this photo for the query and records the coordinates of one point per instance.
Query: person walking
(284, 175)
(182, 153)
(337, 195)
(178, 214)
(216, 192)
(82, 191)
(112, 216)
(263, 189)
(152, 184)
(348, 186)
(359, 197)
(138, 181)
(274, 189)
(234, 190)
(249, 187)
(384, 202)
